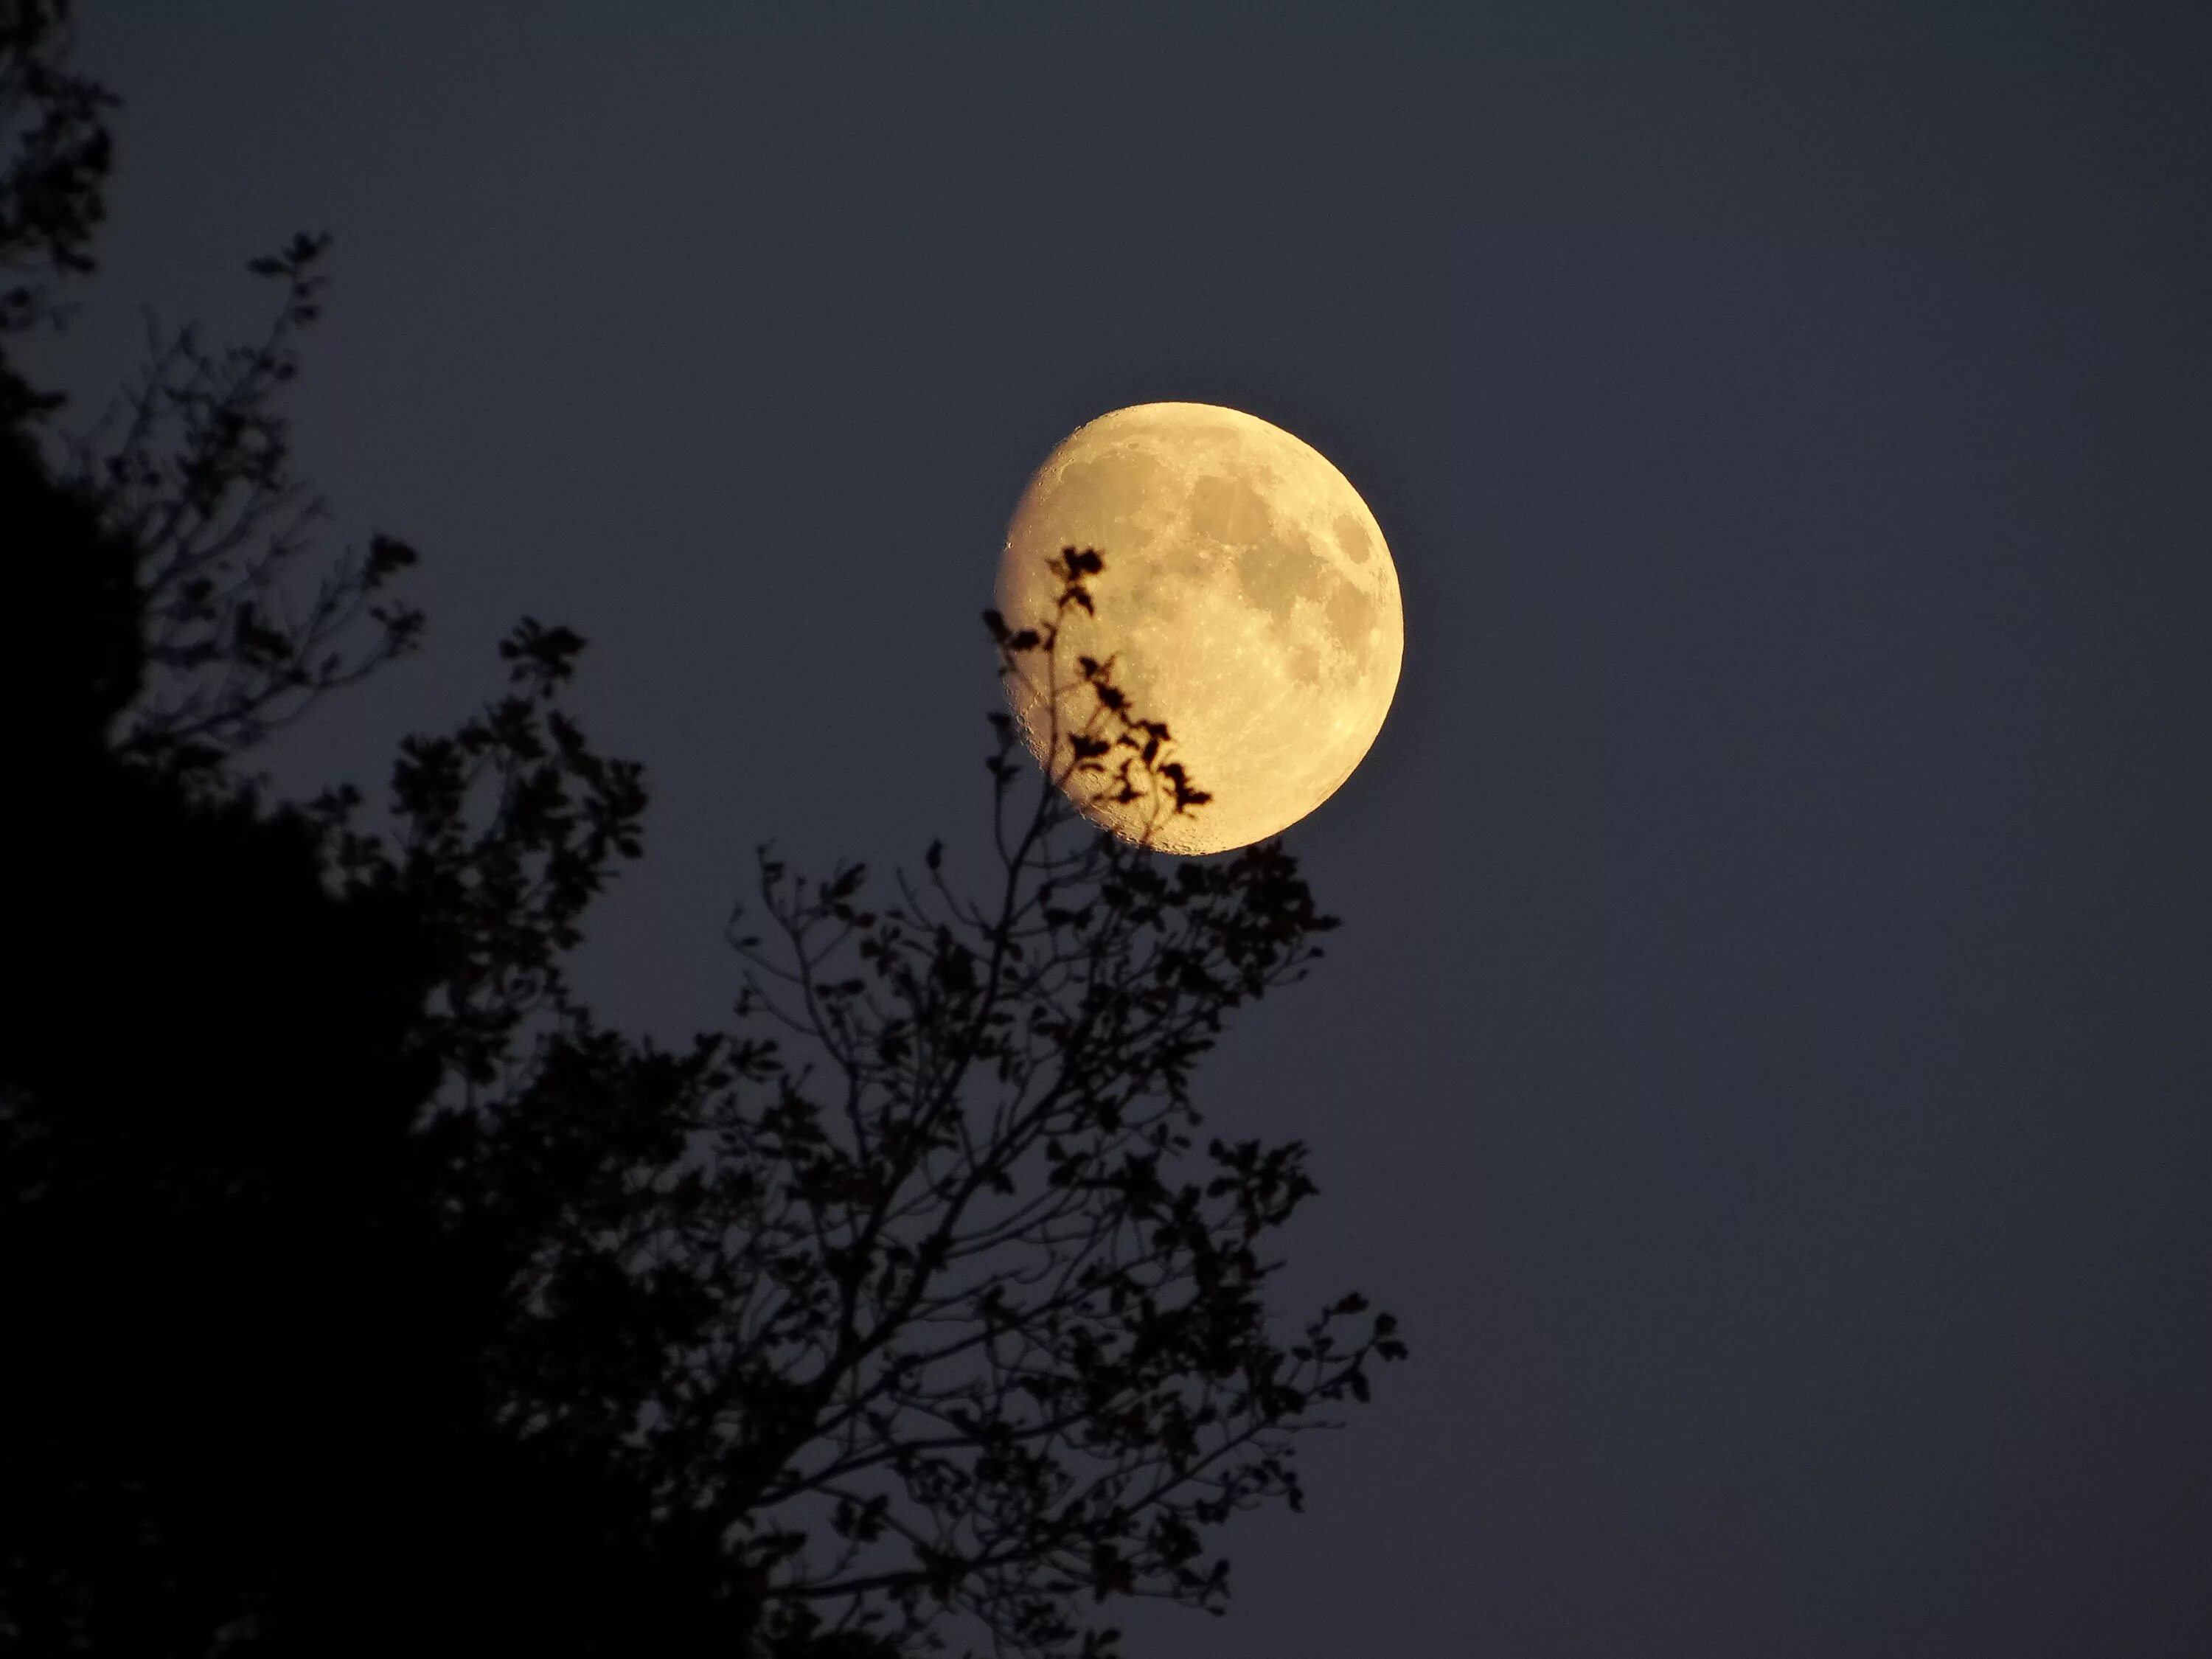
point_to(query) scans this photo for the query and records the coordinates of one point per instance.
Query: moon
(1247, 599)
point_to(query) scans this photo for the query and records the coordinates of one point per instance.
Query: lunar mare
(1248, 600)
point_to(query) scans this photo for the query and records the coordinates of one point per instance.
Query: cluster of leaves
(510, 827)
(246, 623)
(53, 128)
(1080, 725)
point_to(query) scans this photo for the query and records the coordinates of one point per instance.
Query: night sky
(1765, 1060)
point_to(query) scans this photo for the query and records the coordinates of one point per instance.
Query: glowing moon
(1248, 600)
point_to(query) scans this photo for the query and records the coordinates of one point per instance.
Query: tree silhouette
(947, 1313)
(360, 1292)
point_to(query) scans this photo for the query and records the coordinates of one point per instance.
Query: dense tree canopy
(361, 1292)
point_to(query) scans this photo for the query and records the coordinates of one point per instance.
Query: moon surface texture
(1247, 601)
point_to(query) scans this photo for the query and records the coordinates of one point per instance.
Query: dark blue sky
(1767, 1059)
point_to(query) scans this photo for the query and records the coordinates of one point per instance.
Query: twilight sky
(1768, 1058)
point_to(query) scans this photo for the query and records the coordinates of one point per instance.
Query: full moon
(1247, 601)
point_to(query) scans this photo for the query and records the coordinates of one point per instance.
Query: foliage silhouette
(53, 125)
(361, 1292)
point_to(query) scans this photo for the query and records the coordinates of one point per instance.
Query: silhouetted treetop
(363, 1291)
